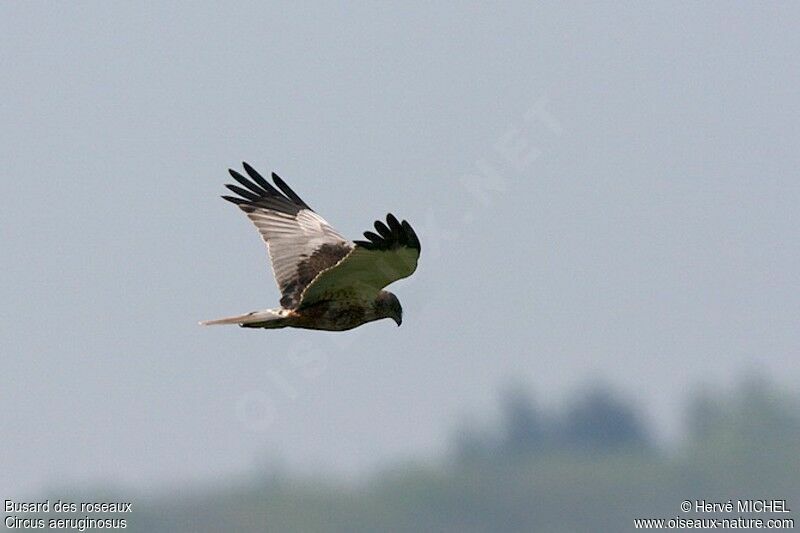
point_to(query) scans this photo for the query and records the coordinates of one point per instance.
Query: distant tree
(754, 431)
(472, 444)
(599, 420)
(765, 412)
(704, 416)
(525, 427)
(757, 418)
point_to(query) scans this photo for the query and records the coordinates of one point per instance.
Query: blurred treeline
(589, 465)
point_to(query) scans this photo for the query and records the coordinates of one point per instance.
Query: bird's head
(388, 306)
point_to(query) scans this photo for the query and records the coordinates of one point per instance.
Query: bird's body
(330, 315)
(326, 282)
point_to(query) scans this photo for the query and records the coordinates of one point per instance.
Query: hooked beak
(398, 320)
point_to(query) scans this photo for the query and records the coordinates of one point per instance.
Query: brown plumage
(326, 282)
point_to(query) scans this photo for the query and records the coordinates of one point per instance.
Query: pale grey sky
(639, 222)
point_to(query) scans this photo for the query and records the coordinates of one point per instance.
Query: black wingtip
(411, 235)
(243, 192)
(258, 178)
(373, 237)
(394, 224)
(234, 200)
(383, 229)
(367, 245)
(392, 234)
(259, 193)
(285, 189)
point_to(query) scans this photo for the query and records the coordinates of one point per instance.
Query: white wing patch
(291, 239)
(300, 243)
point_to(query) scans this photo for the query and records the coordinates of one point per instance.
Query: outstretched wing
(301, 243)
(387, 256)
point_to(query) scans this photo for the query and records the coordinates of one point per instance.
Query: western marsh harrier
(326, 281)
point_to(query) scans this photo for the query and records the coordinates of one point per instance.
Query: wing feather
(288, 191)
(381, 228)
(300, 243)
(259, 179)
(370, 266)
(247, 195)
(247, 183)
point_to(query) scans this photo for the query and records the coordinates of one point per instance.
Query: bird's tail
(269, 318)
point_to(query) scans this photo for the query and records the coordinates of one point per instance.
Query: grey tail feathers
(255, 319)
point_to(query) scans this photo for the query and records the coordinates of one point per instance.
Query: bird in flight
(326, 282)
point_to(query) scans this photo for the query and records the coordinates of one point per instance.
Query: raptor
(326, 281)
